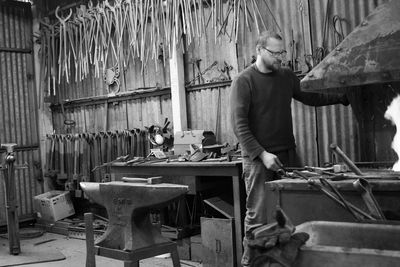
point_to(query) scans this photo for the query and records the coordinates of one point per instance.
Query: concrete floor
(75, 252)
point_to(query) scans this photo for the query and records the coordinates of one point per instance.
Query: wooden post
(178, 91)
(89, 232)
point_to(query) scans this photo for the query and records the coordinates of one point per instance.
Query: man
(261, 118)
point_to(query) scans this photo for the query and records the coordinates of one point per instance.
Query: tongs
(330, 190)
(364, 188)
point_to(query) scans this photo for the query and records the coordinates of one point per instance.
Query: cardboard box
(53, 206)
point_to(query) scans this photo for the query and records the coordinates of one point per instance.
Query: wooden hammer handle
(346, 160)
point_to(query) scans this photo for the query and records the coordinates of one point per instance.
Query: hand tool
(356, 212)
(333, 189)
(62, 176)
(106, 164)
(346, 160)
(11, 199)
(85, 152)
(362, 186)
(62, 59)
(338, 29)
(150, 180)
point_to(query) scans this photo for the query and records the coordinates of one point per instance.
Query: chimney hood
(369, 54)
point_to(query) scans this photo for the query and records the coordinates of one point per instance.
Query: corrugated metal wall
(328, 124)
(302, 25)
(18, 110)
(337, 123)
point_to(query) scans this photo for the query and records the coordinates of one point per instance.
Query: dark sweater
(261, 109)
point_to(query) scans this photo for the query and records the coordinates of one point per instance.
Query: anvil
(128, 206)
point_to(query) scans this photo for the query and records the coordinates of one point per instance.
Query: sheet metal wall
(337, 123)
(18, 110)
(328, 124)
(302, 25)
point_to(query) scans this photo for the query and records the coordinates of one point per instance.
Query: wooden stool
(131, 258)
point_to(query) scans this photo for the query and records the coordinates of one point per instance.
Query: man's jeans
(255, 175)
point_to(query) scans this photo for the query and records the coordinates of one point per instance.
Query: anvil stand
(11, 200)
(130, 235)
(130, 258)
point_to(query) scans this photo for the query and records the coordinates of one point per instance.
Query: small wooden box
(217, 242)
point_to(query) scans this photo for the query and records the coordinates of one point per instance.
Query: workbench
(216, 169)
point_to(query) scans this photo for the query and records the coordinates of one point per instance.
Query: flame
(393, 114)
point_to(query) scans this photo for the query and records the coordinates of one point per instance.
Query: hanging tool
(62, 176)
(320, 52)
(307, 57)
(362, 186)
(202, 73)
(196, 71)
(338, 33)
(63, 58)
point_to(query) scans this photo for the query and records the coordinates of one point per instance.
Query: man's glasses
(281, 54)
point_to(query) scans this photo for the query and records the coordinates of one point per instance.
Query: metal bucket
(349, 244)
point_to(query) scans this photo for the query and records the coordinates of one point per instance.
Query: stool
(130, 258)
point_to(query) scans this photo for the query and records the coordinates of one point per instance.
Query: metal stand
(11, 200)
(130, 258)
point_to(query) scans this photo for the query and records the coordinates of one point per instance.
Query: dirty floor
(74, 251)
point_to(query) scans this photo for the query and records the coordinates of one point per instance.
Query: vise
(8, 170)
(128, 205)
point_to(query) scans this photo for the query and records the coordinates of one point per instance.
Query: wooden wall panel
(116, 115)
(208, 110)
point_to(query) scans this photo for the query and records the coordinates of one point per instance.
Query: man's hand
(344, 100)
(270, 161)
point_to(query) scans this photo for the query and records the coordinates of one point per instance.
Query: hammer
(346, 160)
(151, 180)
